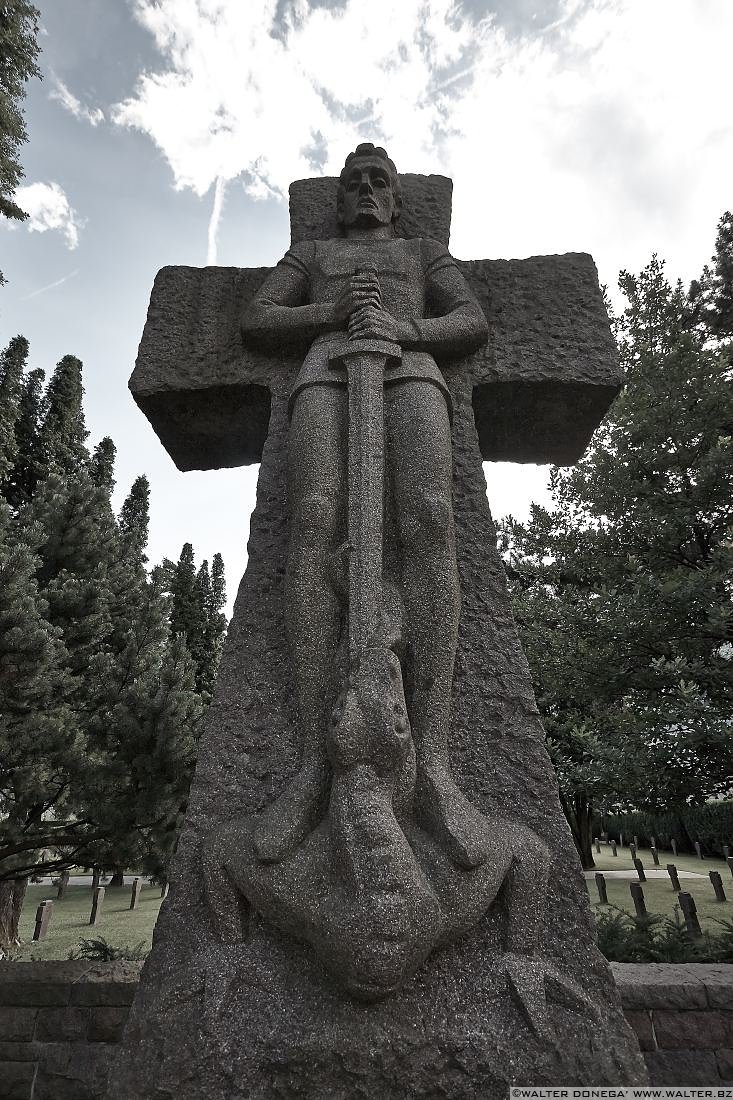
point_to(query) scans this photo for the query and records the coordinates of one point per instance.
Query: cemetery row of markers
(44, 912)
(655, 855)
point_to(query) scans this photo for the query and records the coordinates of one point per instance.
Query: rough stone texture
(426, 208)
(264, 1020)
(50, 1061)
(543, 382)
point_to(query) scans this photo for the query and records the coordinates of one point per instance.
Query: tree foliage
(622, 590)
(99, 705)
(19, 51)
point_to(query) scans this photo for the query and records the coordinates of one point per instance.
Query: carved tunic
(419, 282)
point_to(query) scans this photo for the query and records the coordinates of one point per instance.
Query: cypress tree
(62, 432)
(102, 466)
(135, 519)
(21, 481)
(12, 364)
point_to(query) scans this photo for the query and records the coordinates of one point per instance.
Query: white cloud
(218, 206)
(67, 99)
(48, 208)
(607, 130)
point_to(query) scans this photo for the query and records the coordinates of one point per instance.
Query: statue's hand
(361, 291)
(369, 323)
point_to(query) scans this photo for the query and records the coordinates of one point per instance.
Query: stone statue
(390, 904)
(371, 853)
(415, 297)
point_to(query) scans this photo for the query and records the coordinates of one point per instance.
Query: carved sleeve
(280, 314)
(456, 324)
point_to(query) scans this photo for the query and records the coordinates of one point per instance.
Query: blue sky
(168, 132)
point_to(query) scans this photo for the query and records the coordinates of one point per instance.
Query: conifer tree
(40, 750)
(102, 466)
(135, 519)
(19, 485)
(12, 364)
(622, 589)
(19, 51)
(62, 434)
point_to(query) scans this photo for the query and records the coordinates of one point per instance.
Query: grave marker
(639, 869)
(672, 872)
(717, 885)
(601, 885)
(655, 856)
(614, 850)
(637, 894)
(97, 899)
(689, 911)
(729, 861)
(44, 912)
(698, 850)
(598, 846)
(135, 892)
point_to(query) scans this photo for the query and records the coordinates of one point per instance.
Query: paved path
(86, 880)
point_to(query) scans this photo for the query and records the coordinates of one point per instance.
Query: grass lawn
(661, 898)
(683, 862)
(118, 924)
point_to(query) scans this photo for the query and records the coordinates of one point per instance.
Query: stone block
(659, 985)
(39, 983)
(725, 1065)
(107, 985)
(640, 1023)
(61, 1024)
(17, 1023)
(682, 1067)
(718, 982)
(16, 1080)
(693, 1030)
(106, 1024)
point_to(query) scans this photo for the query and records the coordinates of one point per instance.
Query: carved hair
(368, 149)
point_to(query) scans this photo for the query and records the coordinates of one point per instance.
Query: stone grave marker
(598, 845)
(717, 885)
(97, 899)
(614, 850)
(726, 851)
(674, 877)
(632, 851)
(639, 869)
(655, 855)
(698, 850)
(44, 912)
(637, 896)
(331, 844)
(729, 861)
(135, 892)
(689, 912)
(601, 885)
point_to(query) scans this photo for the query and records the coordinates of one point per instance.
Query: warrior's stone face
(368, 198)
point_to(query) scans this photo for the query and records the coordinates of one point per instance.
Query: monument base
(263, 1019)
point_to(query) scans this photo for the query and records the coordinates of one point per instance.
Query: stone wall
(60, 1021)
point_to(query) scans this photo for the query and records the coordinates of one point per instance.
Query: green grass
(661, 898)
(683, 862)
(70, 920)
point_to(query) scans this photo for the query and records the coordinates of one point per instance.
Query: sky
(168, 131)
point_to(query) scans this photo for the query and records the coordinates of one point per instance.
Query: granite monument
(375, 893)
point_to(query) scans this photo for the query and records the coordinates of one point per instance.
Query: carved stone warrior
(415, 297)
(377, 914)
(372, 853)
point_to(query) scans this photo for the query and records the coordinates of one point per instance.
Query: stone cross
(251, 984)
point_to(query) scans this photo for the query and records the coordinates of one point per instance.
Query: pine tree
(62, 432)
(622, 589)
(102, 466)
(20, 483)
(216, 623)
(19, 50)
(12, 364)
(187, 606)
(711, 296)
(40, 750)
(135, 519)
